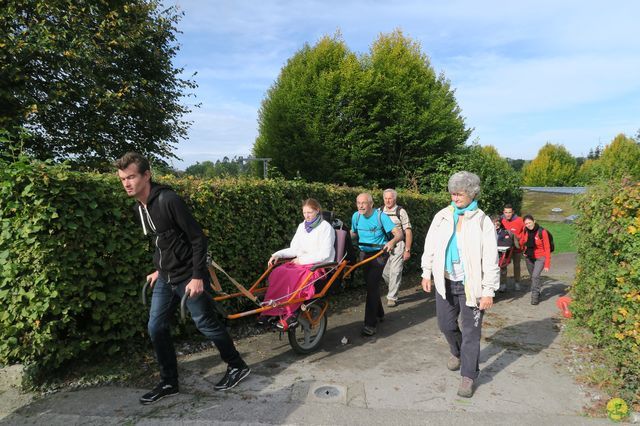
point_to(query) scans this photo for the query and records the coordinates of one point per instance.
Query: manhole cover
(327, 392)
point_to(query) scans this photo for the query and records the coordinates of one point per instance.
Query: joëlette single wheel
(306, 338)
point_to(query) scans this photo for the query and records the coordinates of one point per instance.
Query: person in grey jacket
(461, 254)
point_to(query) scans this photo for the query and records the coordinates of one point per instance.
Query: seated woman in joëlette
(312, 243)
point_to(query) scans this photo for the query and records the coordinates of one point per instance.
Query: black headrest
(333, 221)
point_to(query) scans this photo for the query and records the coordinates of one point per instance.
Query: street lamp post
(265, 163)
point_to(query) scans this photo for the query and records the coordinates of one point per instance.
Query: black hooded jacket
(181, 246)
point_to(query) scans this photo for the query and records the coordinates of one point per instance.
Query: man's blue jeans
(164, 302)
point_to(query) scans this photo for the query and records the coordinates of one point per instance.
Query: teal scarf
(452, 255)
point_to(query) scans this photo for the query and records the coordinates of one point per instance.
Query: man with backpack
(401, 253)
(512, 222)
(374, 231)
(180, 266)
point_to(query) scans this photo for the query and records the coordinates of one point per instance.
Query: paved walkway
(397, 377)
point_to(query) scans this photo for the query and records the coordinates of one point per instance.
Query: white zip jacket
(479, 253)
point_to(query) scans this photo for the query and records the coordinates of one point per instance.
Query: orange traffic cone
(563, 304)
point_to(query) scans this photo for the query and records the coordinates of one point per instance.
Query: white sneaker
(517, 286)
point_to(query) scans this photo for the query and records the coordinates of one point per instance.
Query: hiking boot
(232, 377)
(454, 363)
(368, 330)
(163, 389)
(391, 303)
(465, 389)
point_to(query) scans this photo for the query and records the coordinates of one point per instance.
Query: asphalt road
(397, 377)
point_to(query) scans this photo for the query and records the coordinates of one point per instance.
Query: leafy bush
(620, 158)
(74, 258)
(500, 184)
(607, 288)
(71, 260)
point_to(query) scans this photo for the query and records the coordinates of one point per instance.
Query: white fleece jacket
(479, 253)
(311, 247)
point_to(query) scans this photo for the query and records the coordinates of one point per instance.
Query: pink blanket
(283, 281)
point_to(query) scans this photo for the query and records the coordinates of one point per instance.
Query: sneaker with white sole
(163, 389)
(232, 377)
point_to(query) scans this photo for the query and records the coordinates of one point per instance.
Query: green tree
(90, 80)
(621, 158)
(378, 119)
(516, 164)
(302, 111)
(500, 184)
(224, 168)
(553, 166)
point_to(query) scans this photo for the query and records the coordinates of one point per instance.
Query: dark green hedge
(71, 261)
(74, 257)
(607, 287)
(246, 220)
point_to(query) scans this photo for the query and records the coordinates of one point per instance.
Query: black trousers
(373, 276)
(465, 343)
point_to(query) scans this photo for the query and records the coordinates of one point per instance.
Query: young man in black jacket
(180, 263)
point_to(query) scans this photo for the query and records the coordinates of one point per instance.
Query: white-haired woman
(460, 252)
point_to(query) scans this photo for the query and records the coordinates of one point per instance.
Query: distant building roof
(556, 189)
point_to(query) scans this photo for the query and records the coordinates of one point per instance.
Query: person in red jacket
(537, 254)
(512, 222)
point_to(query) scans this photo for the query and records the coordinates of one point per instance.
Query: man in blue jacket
(180, 266)
(371, 228)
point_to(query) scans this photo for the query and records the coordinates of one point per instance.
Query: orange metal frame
(258, 287)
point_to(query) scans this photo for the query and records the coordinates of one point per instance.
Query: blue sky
(525, 72)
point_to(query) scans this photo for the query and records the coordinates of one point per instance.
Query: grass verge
(564, 235)
(591, 366)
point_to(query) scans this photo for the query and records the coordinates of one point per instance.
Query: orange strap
(239, 286)
(215, 282)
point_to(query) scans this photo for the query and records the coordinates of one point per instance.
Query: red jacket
(542, 246)
(515, 225)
